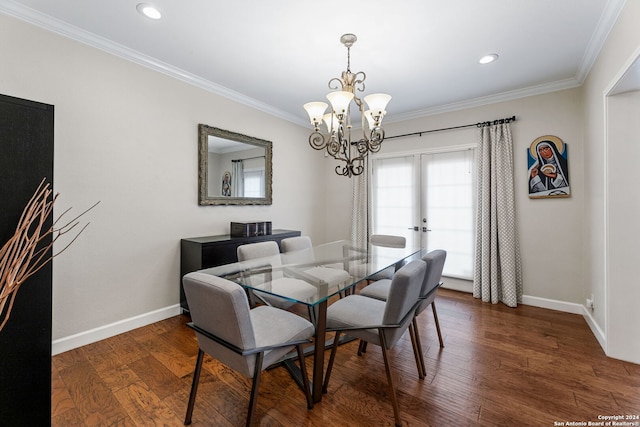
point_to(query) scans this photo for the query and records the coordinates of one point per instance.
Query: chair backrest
(388, 241)
(435, 263)
(297, 250)
(299, 243)
(266, 253)
(403, 295)
(221, 308)
(257, 250)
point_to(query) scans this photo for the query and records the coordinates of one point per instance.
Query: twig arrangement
(30, 248)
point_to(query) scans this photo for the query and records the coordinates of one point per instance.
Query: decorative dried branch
(25, 254)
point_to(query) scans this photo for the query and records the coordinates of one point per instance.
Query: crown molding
(599, 37)
(486, 100)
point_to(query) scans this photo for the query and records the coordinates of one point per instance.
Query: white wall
(623, 227)
(550, 230)
(619, 50)
(127, 136)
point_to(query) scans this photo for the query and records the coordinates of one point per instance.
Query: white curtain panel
(497, 270)
(361, 217)
(237, 178)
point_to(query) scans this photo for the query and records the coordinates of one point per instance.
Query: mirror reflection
(235, 169)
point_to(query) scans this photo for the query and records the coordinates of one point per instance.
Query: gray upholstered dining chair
(432, 281)
(300, 250)
(247, 340)
(387, 241)
(379, 322)
(383, 240)
(269, 254)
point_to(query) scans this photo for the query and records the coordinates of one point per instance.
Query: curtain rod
(248, 158)
(479, 124)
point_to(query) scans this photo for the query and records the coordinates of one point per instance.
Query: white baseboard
(568, 307)
(551, 304)
(87, 337)
(595, 329)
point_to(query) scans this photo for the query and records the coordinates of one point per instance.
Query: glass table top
(311, 276)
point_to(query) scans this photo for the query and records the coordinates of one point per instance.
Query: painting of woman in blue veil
(548, 168)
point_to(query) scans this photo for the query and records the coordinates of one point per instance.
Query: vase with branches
(31, 246)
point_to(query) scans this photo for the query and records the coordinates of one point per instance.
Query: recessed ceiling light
(488, 58)
(149, 11)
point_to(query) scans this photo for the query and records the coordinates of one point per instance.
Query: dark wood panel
(500, 366)
(26, 157)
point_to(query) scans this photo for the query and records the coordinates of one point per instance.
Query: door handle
(425, 229)
(416, 228)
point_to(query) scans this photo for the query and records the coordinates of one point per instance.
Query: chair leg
(254, 388)
(435, 317)
(418, 343)
(194, 387)
(362, 347)
(387, 367)
(305, 377)
(332, 357)
(417, 350)
(312, 314)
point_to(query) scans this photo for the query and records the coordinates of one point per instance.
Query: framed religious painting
(226, 184)
(548, 168)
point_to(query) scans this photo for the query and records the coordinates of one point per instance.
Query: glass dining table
(313, 277)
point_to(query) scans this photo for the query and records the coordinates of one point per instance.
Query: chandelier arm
(362, 146)
(338, 81)
(317, 141)
(357, 166)
(343, 170)
(359, 81)
(375, 139)
(333, 148)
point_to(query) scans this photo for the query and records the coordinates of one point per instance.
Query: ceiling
(277, 55)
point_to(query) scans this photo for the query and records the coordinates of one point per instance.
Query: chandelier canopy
(337, 140)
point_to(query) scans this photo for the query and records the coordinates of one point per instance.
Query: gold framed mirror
(233, 169)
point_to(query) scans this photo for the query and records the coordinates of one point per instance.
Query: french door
(429, 199)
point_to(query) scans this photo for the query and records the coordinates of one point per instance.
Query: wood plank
(499, 366)
(94, 401)
(144, 407)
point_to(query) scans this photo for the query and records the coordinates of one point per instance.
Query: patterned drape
(361, 213)
(497, 271)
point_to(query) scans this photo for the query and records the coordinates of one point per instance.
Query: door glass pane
(447, 190)
(393, 197)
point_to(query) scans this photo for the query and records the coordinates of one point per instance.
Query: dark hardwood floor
(500, 367)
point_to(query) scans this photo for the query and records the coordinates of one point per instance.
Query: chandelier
(337, 140)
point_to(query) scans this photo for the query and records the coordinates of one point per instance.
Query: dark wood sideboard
(197, 253)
